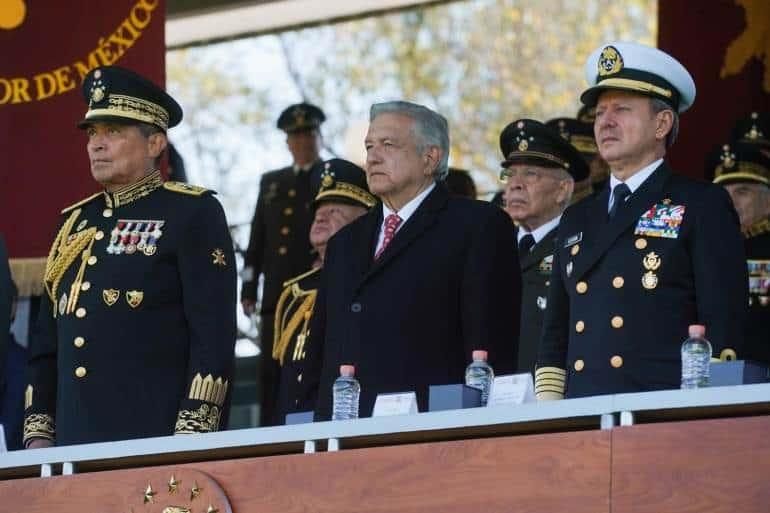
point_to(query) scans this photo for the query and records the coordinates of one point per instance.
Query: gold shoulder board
(294, 280)
(80, 203)
(186, 188)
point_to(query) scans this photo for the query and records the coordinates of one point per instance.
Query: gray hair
(429, 128)
(657, 105)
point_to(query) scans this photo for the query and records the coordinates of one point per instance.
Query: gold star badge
(212, 509)
(173, 484)
(149, 494)
(195, 491)
(219, 257)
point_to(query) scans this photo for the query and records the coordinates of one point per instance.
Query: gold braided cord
(75, 288)
(283, 336)
(62, 254)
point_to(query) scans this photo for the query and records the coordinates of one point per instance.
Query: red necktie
(391, 223)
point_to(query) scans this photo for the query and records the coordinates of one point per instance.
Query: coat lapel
(367, 232)
(422, 219)
(539, 251)
(606, 232)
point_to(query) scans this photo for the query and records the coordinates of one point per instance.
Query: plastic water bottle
(696, 358)
(479, 375)
(346, 392)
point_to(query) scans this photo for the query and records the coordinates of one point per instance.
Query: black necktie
(526, 243)
(619, 195)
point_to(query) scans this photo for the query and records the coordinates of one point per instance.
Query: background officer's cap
(578, 133)
(526, 141)
(300, 117)
(641, 69)
(753, 129)
(344, 182)
(739, 162)
(116, 94)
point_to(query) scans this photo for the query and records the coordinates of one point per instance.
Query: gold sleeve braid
(206, 418)
(39, 425)
(550, 383)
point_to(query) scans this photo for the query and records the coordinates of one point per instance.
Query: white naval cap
(639, 68)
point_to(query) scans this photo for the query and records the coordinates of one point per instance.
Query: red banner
(722, 44)
(46, 48)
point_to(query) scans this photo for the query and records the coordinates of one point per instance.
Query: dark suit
(757, 246)
(135, 336)
(535, 278)
(448, 283)
(279, 249)
(610, 332)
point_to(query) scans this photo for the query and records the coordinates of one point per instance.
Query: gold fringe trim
(28, 275)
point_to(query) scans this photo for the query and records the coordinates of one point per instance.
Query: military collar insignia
(134, 191)
(573, 239)
(758, 228)
(610, 61)
(661, 220)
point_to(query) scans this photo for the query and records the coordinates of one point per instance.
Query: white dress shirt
(542, 231)
(405, 213)
(634, 182)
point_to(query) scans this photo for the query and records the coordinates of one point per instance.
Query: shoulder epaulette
(294, 280)
(80, 203)
(186, 188)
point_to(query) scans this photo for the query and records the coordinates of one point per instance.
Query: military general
(136, 328)
(655, 252)
(539, 171)
(343, 197)
(278, 245)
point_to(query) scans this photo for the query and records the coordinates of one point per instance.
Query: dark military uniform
(340, 182)
(626, 286)
(136, 329)
(744, 162)
(526, 141)
(278, 245)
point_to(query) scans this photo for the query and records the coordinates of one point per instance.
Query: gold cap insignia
(610, 61)
(727, 157)
(327, 178)
(523, 145)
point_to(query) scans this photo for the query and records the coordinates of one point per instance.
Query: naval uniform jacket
(447, 283)
(136, 330)
(279, 247)
(535, 278)
(757, 245)
(620, 302)
(299, 374)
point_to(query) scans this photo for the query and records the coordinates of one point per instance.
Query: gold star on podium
(212, 509)
(173, 484)
(149, 494)
(195, 491)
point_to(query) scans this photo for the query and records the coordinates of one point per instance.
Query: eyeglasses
(527, 175)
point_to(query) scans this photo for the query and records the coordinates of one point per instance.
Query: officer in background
(744, 171)
(600, 171)
(581, 136)
(278, 245)
(342, 198)
(539, 171)
(136, 329)
(656, 252)
(754, 129)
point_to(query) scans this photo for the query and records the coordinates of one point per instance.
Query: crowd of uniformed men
(588, 277)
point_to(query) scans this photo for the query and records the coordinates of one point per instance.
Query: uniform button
(581, 287)
(79, 342)
(292, 193)
(107, 212)
(282, 250)
(580, 326)
(285, 230)
(616, 361)
(296, 402)
(99, 235)
(575, 249)
(288, 211)
(299, 378)
(85, 286)
(640, 243)
(81, 372)
(92, 260)
(548, 283)
(80, 312)
(618, 282)
(617, 322)
(355, 307)
(579, 364)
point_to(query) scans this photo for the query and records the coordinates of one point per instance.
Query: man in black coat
(410, 289)
(343, 196)
(654, 253)
(744, 171)
(539, 171)
(278, 245)
(136, 330)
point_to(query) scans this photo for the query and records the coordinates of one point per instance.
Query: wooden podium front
(521, 459)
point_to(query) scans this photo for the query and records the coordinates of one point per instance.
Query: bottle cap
(347, 370)
(697, 330)
(479, 354)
